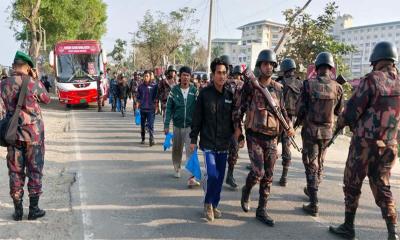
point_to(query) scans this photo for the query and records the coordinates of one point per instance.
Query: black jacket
(212, 118)
(123, 90)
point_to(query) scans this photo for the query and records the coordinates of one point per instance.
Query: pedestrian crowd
(219, 113)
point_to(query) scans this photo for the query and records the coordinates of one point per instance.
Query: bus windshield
(71, 66)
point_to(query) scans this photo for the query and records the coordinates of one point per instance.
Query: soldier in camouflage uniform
(235, 84)
(165, 86)
(262, 130)
(373, 115)
(133, 89)
(26, 158)
(321, 99)
(291, 93)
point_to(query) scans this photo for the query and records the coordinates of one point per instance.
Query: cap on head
(237, 70)
(23, 58)
(171, 68)
(324, 58)
(384, 51)
(185, 69)
(287, 64)
(266, 55)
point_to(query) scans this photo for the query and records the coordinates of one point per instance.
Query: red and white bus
(77, 65)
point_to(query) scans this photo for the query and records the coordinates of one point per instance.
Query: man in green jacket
(180, 106)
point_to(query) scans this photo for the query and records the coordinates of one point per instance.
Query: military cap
(21, 57)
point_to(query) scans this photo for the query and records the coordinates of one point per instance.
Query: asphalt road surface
(125, 190)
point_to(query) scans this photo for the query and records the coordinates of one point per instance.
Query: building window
(361, 38)
(375, 36)
(244, 59)
(362, 30)
(368, 30)
(368, 37)
(252, 28)
(391, 27)
(275, 36)
(397, 26)
(389, 34)
(397, 34)
(367, 44)
(383, 28)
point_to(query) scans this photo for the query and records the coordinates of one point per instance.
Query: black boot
(143, 134)
(305, 190)
(18, 210)
(312, 207)
(34, 211)
(151, 142)
(230, 180)
(392, 233)
(345, 230)
(283, 180)
(245, 200)
(261, 213)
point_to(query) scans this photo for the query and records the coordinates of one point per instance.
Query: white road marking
(86, 218)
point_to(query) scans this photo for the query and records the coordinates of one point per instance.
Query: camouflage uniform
(373, 114)
(235, 86)
(134, 89)
(164, 87)
(321, 99)
(291, 93)
(29, 150)
(262, 129)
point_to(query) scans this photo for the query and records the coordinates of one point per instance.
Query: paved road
(126, 190)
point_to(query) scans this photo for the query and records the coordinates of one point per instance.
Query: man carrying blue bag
(180, 105)
(212, 119)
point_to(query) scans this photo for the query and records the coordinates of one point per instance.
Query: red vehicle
(77, 65)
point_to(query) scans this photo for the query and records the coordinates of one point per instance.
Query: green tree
(161, 36)
(216, 51)
(61, 20)
(309, 36)
(118, 53)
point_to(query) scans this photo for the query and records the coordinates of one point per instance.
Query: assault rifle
(249, 76)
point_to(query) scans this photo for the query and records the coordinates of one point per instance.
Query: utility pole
(289, 24)
(209, 38)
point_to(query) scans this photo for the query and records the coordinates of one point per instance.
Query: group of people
(233, 107)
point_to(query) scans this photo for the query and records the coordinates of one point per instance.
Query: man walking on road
(291, 93)
(180, 105)
(164, 87)
(321, 99)
(26, 158)
(147, 103)
(212, 118)
(373, 115)
(235, 84)
(262, 129)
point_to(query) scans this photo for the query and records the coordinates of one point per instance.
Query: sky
(124, 15)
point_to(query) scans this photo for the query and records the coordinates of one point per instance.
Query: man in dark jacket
(123, 92)
(180, 106)
(147, 103)
(212, 118)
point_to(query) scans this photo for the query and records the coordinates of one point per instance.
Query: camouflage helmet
(226, 59)
(171, 68)
(237, 70)
(324, 58)
(204, 77)
(266, 55)
(384, 51)
(287, 64)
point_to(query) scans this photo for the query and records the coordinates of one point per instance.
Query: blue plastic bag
(137, 117)
(167, 141)
(193, 165)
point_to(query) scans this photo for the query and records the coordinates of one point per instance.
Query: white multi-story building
(364, 39)
(256, 36)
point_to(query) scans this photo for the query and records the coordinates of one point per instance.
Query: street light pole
(133, 48)
(209, 38)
